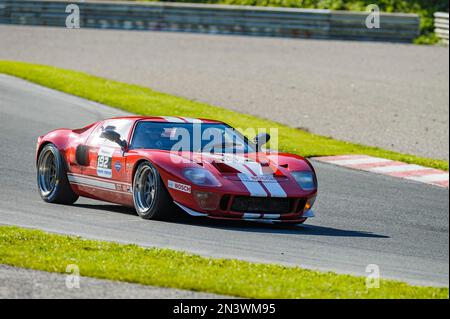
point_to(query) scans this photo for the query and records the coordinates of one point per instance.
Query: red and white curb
(392, 168)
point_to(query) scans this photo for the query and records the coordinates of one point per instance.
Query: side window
(120, 126)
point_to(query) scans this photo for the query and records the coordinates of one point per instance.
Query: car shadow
(300, 229)
(108, 207)
(244, 226)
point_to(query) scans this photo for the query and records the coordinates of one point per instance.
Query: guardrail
(217, 19)
(441, 26)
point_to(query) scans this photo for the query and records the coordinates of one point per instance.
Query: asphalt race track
(394, 96)
(18, 283)
(362, 218)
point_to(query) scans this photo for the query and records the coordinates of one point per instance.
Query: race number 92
(104, 162)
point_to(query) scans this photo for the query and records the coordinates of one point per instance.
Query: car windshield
(189, 137)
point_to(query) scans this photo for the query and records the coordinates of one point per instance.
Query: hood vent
(224, 168)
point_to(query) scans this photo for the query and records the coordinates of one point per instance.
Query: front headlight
(201, 177)
(306, 180)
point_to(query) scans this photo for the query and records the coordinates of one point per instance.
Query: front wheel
(151, 199)
(52, 179)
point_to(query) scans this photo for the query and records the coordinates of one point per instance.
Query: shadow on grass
(243, 226)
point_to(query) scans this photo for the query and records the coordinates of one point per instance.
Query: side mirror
(261, 139)
(113, 136)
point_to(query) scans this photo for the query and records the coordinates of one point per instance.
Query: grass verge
(168, 268)
(141, 100)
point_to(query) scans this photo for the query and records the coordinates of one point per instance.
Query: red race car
(204, 167)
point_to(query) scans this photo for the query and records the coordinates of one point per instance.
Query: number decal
(104, 162)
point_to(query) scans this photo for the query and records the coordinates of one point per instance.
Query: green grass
(141, 100)
(424, 8)
(168, 268)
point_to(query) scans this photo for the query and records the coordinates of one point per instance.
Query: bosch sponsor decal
(180, 187)
(104, 162)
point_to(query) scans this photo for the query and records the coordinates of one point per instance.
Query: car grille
(262, 205)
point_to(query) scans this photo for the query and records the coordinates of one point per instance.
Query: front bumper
(263, 218)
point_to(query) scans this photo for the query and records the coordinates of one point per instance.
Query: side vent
(82, 155)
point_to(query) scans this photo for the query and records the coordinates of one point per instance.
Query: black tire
(52, 179)
(151, 199)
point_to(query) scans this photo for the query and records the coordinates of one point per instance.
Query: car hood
(257, 174)
(253, 167)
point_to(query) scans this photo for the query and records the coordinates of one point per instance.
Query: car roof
(167, 119)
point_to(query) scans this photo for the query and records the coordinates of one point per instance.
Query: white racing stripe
(191, 120)
(272, 216)
(251, 216)
(91, 182)
(272, 185)
(239, 167)
(254, 168)
(250, 169)
(173, 119)
(76, 179)
(255, 188)
(275, 189)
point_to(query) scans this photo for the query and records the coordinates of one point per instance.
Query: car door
(105, 175)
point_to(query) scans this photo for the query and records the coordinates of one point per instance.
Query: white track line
(398, 168)
(429, 178)
(370, 160)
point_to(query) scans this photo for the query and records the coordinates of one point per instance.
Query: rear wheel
(52, 179)
(151, 199)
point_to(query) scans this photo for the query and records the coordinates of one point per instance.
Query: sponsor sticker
(104, 162)
(118, 166)
(232, 159)
(180, 187)
(258, 178)
(123, 188)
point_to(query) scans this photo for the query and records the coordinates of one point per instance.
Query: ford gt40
(159, 165)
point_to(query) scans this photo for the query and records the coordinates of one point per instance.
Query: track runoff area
(391, 168)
